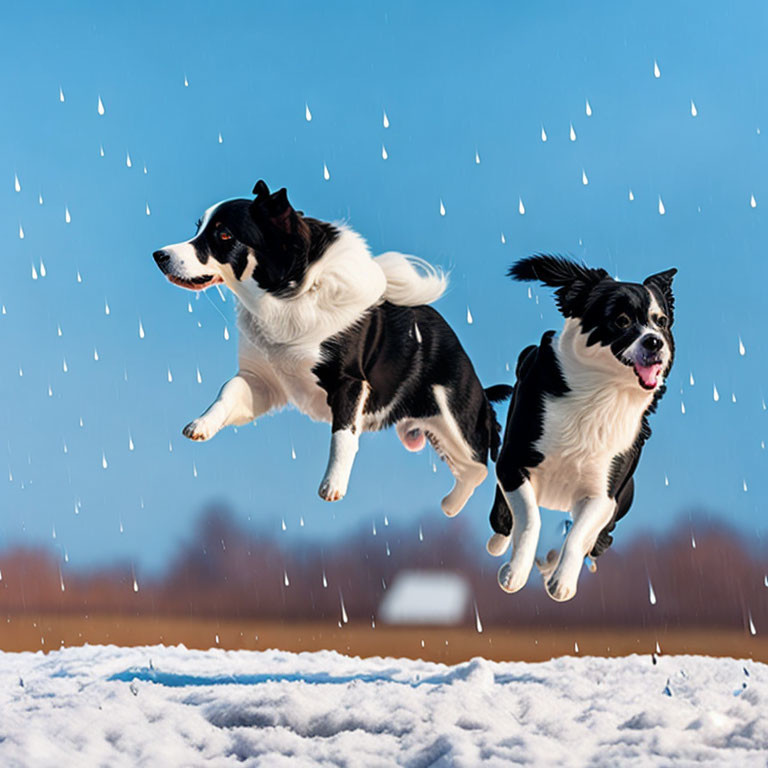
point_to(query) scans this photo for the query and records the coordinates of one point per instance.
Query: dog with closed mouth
(578, 418)
(344, 337)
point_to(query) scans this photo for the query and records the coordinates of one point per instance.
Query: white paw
(198, 429)
(331, 491)
(498, 544)
(560, 588)
(512, 580)
(450, 505)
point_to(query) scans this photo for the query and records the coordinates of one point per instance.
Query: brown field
(449, 645)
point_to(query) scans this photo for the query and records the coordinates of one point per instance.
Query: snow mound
(173, 706)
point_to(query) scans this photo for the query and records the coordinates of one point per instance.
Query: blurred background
(626, 135)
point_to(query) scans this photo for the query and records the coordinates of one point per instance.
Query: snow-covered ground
(169, 706)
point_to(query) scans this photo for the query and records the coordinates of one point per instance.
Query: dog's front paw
(330, 491)
(511, 580)
(198, 430)
(560, 589)
(498, 544)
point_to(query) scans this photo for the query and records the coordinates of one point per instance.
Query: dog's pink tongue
(649, 374)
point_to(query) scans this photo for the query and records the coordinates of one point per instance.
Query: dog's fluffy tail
(411, 281)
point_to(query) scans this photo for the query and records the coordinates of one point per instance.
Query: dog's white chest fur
(583, 430)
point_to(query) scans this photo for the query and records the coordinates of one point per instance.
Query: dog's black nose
(161, 257)
(652, 343)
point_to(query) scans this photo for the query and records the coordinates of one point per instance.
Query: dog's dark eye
(224, 234)
(661, 321)
(623, 321)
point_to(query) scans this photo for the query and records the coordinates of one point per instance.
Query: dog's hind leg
(590, 516)
(526, 525)
(242, 399)
(347, 405)
(446, 436)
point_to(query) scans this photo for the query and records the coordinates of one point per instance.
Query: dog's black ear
(662, 284)
(274, 208)
(572, 280)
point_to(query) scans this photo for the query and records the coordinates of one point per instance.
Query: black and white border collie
(341, 335)
(579, 417)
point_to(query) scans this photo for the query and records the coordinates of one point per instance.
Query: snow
(172, 706)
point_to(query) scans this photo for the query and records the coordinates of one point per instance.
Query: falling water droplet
(752, 202)
(588, 109)
(682, 407)
(691, 380)
(106, 307)
(194, 469)
(146, 210)
(744, 485)
(67, 216)
(34, 272)
(477, 158)
(135, 584)
(503, 239)
(742, 349)
(301, 521)
(128, 163)
(387, 547)
(421, 534)
(693, 541)
(21, 232)
(575, 647)
(141, 329)
(16, 183)
(326, 172)
(50, 391)
(101, 150)
(61, 94)
(325, 580)
(752, 630)
(543, 134)
(631, 195)
(386, 520)
(293, 452)
(282, 524)
(286, 582)
(186, 82)
(442, 207)
(95, 355)
(656, 70)
(220, 138)
(170, 375)
(385, 120)
(417, 333)
(130, 442)
(226, 334)
(384, 154)
(765, 581)
(104, 464)
(373, 527)
(651, 593)
(42, 268)
(199, 376)
(100, 107)
(344, 617)
(733, 397)
(520, 206)
(64, 365)
(694, 111)
(308, 114)
(584, 179)
(469, 317)
(662, 209)
(572, 133)
(478, 623)
(40, 198)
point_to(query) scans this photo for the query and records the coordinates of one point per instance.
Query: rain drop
(104, 464)
(282, 525)
(226, 334)
(575, 647)
(21, 232)
(106, 307)
(503, 239)
(752, 202)
(584, 179)
(67, 216)
(651, 593)
(34, 272)
(293, 453)
(682, 407)
(146, 209)
(693, 541)
(301, 521)
(733, 397)
(170, 376)
(469, 317)
(742, 349)
(145, 169)
(543, 134)
(520, 206)
(691, 379)
(344, 617)
(752, 630)
(478, 623)
(666, 481)
(442, 207)
(325, 581)
(100, 107)
(64, 365)
(130, 442)
(385, 120)
(61, 95)
(421, 534)
(128, 163)
(326, 172)
(744, 485)
(662, 209)
(285, 579)
(186, 82)
(477, 158)
(101, 150)
(40, 198)
(588, 109)
(194, 469)
(16, 183)
(220, 138)
(572, 133)
(199, 377)
(631, 195)
(42, 269)
(135, 585)
(141, 329)
(95, 355)
(308, 114)
(656, 70)
(384, 154)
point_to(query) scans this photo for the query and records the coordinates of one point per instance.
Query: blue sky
(453, 81)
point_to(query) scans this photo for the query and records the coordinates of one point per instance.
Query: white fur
(411, 281)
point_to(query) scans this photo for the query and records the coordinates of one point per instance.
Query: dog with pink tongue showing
(578, 419)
